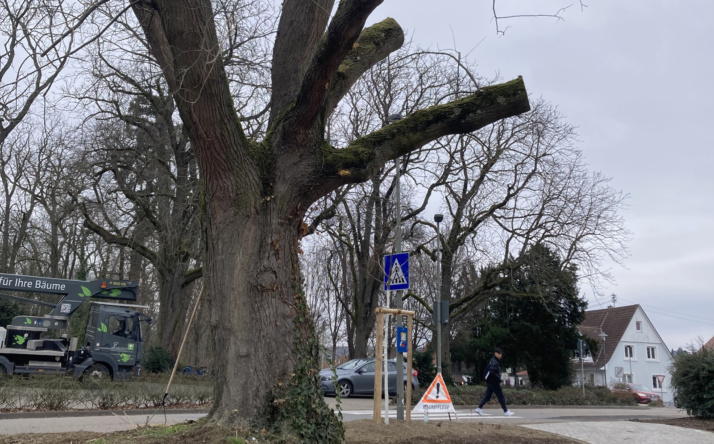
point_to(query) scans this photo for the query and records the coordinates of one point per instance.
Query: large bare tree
(257, 192)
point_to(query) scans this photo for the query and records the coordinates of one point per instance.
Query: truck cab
(113, 342)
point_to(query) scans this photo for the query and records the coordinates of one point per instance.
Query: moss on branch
(374, 44)
(365, 155)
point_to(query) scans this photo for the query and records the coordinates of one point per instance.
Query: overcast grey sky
(637, 80)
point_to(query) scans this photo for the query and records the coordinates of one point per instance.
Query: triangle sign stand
(436, 398)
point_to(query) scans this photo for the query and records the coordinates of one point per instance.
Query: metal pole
(438, 218)
(582, 370)
(385, 364)
(398, 296)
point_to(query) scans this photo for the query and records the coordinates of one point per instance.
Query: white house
(630, 350)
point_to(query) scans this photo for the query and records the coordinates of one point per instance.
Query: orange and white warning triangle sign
(436, 398)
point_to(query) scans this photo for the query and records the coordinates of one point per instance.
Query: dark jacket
(493, 371)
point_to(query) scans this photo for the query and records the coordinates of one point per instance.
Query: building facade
(630, 350)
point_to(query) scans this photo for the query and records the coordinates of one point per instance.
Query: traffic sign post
(396, 278)
(396, 271)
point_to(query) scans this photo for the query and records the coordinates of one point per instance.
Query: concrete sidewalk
(98, 423)
(608, 432)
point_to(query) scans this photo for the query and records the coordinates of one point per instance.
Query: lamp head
(438, 217)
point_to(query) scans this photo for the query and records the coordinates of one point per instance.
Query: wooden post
(408, 395)
(380, 312)
(378, 368)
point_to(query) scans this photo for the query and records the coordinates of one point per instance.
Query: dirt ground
(356, 432)
(689, 423)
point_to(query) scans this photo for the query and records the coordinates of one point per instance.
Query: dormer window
(638, 326)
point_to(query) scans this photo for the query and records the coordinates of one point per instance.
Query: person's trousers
(490, 390)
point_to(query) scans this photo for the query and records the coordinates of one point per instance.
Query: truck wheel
(96, 373)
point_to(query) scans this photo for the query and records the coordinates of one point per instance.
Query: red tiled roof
(710, 344)
(612, 321)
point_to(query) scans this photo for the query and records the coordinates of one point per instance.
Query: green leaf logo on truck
(112, 293)
(103, 327)
(28, 321)
(85, 292)
(19, 339)
(123, 357)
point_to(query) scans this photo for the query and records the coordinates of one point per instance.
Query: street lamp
(602, 338)
(438, 218)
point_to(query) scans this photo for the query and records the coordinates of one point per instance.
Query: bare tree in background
(518, 183)
(38, 39)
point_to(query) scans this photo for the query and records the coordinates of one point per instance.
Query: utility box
(444, 313)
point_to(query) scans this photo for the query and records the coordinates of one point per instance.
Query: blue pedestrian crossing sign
(396, 271)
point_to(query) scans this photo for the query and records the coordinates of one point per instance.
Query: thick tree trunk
(253, 276)
(447, 278)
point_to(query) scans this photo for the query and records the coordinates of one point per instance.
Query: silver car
(356, 377)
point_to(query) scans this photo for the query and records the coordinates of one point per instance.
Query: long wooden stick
(183, 342)
(378, 369)
(410, 348)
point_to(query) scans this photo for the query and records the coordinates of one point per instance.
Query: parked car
(642, 393)
(356, 377)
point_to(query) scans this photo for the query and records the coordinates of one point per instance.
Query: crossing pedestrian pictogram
(396, 271)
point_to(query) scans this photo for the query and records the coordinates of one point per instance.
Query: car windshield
(349, 365)
(640, 388)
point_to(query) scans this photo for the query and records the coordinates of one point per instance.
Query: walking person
(493, 383)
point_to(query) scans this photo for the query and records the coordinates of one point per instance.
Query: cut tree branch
(343, 31)
(373, 45)
(363, 157)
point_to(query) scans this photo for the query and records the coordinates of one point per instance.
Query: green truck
(112, 347)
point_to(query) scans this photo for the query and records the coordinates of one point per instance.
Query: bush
(521, 395)
(423, 363)
(157, 360)
(693, 381)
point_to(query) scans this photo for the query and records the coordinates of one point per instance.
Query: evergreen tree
(8, 310)
(533, 318)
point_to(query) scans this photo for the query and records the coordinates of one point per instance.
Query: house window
(628, 377)
(652, 353)
(638, 325)
(655, 383)
(629, 352)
